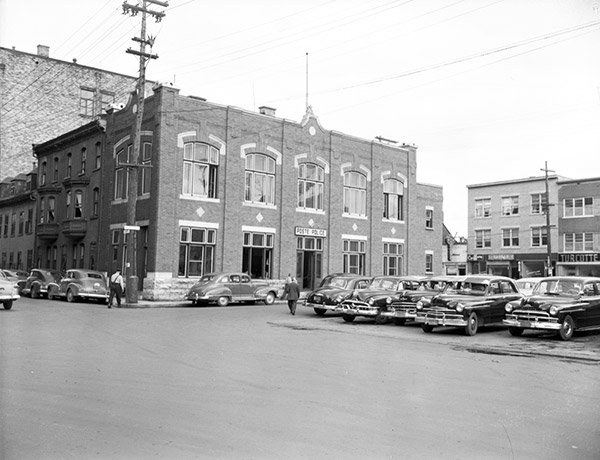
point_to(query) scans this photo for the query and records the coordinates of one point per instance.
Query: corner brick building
(225, 189)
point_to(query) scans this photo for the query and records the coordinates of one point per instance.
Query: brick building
(230, 189)
(17, 211)
(42, 98)
(579, 227)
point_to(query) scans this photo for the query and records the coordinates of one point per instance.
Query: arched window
(310, 186)
(393, 195)
(260, 179)
(200, 167)
(122, 173)
(355, 194)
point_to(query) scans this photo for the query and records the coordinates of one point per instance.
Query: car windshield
(338, 282)
(207, 278)
(466, 287)
(384, 283)
(559, 287)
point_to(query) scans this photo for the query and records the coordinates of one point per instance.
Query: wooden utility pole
(133, 164)
(546, 208)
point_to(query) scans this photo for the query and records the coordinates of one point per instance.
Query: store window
(200, 170)
(393, 257)
(355, 194)
(311, 179)
(393, 198)
(257, 254)
(354, 255)
(260, 179)
(196, 251)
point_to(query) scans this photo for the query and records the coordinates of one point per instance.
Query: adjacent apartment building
(223, 189)
(508, 231)
(42, 98)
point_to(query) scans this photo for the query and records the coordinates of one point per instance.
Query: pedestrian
(292, 292)
(116, 288)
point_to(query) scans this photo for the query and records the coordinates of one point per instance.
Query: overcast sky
(488, 90)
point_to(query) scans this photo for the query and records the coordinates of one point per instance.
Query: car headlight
(419, 305)
(339, 298)
(371, 301)
(508, 308)
(460, 307)
(553, 310)
(388, 300)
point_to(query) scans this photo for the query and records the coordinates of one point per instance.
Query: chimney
(43, 51)
(264, 110)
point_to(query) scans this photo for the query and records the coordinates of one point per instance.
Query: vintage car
(526, 285)
(333, 290)
(562, 304)
(404, 307)
(470, 302)
(15, 275)
(80, 284)
(224, 288)
(375, 301)
(8, 291)
(36, 284)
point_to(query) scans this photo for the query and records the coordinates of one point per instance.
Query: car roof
(584, 279)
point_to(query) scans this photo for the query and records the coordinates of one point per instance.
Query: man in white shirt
(116, 288)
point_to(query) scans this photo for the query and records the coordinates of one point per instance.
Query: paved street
(253, 382)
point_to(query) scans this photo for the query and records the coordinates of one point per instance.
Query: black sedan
(334, 290)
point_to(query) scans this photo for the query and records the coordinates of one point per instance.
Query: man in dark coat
(292, 292)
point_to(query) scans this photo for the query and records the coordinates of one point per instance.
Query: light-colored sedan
(9, 291)
(526, 285)
(80, 284)
(223, 288)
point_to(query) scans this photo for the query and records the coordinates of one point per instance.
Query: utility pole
(130, 229)
(546, 208)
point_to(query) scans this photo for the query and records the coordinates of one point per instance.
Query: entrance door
(309, 268)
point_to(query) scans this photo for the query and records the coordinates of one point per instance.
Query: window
(538, 203)
(98, 155)
(55, 176)
(393, 195)
(578, 207)
(483, 239)
(578, 242)
(43, 174)
(106, 100)
(81, 255)
(6, 221)
(74, 254)
(13, 224)
(393, 256)
(429, 262)
(355, 194)
(200, 166)
(196, 251)
(122, 173)
(146, 167)
(510, 206)
(68, 204)
(429, 218)
(21, 222)
(483, 207)
(69, 164)
(257, 254)
(51, 209)
(311, 178)
(83, 160)
(510, 237)
(29, 223)
(539, 236)
(353, 252)
(78, 205)
(95, 201)
(260, 179)
(86, 102)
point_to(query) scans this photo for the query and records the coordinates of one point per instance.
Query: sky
(488, 90)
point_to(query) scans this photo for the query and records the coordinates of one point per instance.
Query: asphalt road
(80, 381)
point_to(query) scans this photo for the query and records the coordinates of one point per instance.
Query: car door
(591, 294)
(64, 283)
(234, 287)
(246, 288)
(495, 311)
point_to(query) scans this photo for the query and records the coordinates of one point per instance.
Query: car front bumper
(441, 318)
(321, 306)
(359, 309)
(93, 295)
(532, 324)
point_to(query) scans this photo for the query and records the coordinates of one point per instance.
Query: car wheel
(516, 331)
(348, 318)
(51, 295)
(35, 291)
(70, 296)
(320, 311)
(270, 299)
(472, 324)
(7, 304)
(399, 321)
(427, 327)
(567, 329)
(222, 301)
(380, 319)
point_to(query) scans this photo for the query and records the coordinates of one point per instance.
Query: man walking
(292, 292)
(116, 288)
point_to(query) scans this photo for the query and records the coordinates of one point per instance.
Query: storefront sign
(501, 257)
(579, 257)
(303, 231)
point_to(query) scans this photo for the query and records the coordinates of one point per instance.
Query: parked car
(333, 290)
(8, 291)
(404, 307)
(375, 301)
(15, 275)
(224, 288)
(36, 284)
(526, 285)
(80, 284)
(471, 302)
(563, 304)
